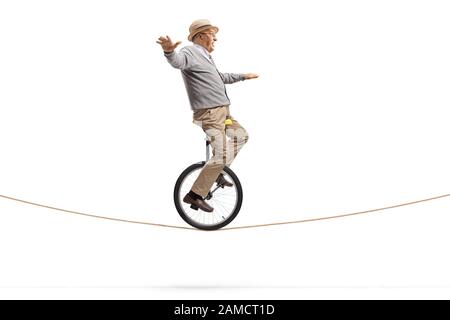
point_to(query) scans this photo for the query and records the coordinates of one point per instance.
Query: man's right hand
(167, 45)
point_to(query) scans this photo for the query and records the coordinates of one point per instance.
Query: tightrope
(229, 228)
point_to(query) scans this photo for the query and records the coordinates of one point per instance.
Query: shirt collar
(204, 52)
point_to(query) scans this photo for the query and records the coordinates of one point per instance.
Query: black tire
(181, 207)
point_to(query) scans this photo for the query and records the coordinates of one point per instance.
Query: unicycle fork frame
(208, 147)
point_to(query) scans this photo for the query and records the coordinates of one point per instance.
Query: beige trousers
(224, 149)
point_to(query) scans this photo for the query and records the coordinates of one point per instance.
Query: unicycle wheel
(226, 201)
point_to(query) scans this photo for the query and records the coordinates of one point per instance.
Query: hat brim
(199, 30)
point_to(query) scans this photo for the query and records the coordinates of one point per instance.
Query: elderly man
(209, 101)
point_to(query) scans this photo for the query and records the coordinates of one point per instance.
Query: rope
(229, 228)
(94, 215)
(340, 215)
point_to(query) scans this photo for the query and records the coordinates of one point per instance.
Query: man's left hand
(249, 76)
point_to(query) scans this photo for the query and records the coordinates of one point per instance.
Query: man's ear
(197, 36)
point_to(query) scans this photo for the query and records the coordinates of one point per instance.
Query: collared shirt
(205, 85)
(204, 52)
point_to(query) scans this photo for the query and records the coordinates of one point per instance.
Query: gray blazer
(205, 85)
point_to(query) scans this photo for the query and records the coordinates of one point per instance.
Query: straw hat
(198, 26)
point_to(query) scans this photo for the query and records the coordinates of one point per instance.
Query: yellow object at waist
(228, 122)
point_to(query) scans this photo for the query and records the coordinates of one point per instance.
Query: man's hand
(249, 76)
(167, 44)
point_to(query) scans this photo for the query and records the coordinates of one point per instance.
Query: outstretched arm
(229, 78)
(177, 60)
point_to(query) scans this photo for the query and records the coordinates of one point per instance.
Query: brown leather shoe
(197, 203)
(222, 182)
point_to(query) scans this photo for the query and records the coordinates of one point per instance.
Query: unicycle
(226, 201)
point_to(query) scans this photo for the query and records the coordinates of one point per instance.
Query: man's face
(208, 39)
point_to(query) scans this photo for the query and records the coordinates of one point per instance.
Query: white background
(349, 113)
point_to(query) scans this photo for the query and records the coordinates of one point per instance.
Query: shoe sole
(194, 207)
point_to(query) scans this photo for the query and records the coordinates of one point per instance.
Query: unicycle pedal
(194, 207)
